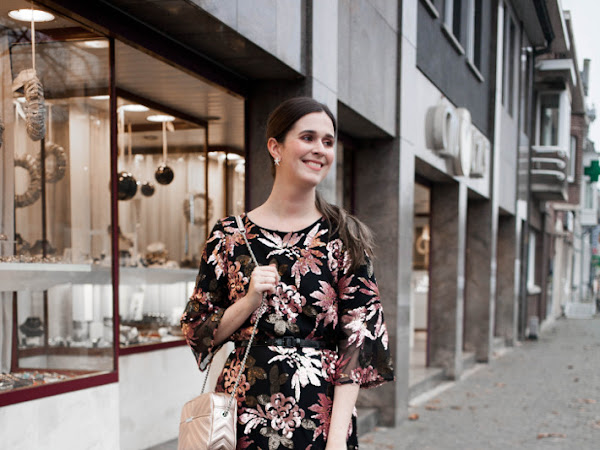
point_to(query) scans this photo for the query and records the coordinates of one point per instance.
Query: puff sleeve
(364, 354)
(209, 300)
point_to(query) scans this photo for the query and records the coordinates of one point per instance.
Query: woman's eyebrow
(327, 135)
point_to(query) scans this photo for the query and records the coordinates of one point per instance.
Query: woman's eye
(307, 138)
(328, 143)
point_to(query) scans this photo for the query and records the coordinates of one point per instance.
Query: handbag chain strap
(261, 310)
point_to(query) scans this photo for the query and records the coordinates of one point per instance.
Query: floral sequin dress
(285, 394)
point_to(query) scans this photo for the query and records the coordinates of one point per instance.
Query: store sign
(452, 135)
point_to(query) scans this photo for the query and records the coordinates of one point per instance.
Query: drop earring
(276, 161)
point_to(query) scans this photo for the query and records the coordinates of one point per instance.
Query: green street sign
(593, 170)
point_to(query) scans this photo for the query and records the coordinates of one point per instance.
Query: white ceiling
(70, 68)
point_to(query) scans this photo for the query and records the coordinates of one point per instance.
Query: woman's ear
(274, 148)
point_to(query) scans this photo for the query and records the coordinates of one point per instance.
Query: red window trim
(60, 387)
(143, 348)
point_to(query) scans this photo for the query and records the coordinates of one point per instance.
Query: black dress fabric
(285, 394)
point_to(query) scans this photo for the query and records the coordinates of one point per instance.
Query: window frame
(564, 117)
(510, 65)
(573, 141)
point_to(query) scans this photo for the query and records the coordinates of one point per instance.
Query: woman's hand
(264, 279)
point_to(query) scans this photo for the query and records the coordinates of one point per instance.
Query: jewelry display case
(102, 133)
(57, 305)
(162, 229)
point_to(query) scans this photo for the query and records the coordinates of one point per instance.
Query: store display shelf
(42, 276)
(39, 276)
(65, 351)
(156, 275)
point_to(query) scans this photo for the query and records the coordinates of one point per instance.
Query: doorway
(420, 283)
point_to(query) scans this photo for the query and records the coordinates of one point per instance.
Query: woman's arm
(263, 279)
(344, 399)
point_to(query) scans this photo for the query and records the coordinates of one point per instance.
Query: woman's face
(307, 151)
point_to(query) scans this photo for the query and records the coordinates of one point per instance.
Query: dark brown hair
(355, 235)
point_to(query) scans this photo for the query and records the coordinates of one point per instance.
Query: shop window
(56, 301)
(175, 177)
(181, 142)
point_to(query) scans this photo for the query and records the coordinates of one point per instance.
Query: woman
(322, 336)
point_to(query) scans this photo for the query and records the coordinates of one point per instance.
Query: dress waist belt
(287, 341)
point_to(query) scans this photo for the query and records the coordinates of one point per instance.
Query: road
(542, 394)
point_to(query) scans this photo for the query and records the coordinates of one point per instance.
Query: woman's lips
(315, 165)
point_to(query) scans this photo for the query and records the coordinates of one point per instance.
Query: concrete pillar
(384, 201)
(479, 312)
(447, 279)
(508, 267)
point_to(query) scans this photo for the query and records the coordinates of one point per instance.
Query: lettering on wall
(452, 135)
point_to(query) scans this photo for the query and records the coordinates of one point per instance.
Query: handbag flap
(204, 405)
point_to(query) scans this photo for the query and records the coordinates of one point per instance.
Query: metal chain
(261, 310)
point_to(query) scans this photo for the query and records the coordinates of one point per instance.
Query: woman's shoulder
(227, 224)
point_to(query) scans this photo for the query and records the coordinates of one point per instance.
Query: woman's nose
(319, 148)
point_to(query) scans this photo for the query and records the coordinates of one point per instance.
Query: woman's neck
(287, 208)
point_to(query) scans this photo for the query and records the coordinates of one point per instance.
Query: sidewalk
(542, 394)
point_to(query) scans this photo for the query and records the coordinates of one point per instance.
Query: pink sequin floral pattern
(286, 393)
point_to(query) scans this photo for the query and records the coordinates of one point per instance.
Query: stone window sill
(475, 70)
(450, 36)
(431, 9)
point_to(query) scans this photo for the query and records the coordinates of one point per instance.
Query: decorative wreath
(35, 108)
(198, 212)
(60, 162)
(34, 190)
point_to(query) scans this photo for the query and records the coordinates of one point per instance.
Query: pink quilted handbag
(208, 422)
(203, 425)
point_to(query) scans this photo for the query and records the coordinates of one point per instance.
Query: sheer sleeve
(364, 354)
(207, 304)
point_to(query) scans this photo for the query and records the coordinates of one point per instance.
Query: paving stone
(542, 394)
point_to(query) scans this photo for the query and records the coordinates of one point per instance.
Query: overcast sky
(585, 15)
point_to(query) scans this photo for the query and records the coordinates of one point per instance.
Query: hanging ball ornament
(127, 186)
(147, 189)
(164, 174)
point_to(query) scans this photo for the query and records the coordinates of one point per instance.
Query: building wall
(449, 70)
(274, 25)
(367, 68)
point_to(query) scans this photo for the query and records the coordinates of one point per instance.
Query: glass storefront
(173, 147)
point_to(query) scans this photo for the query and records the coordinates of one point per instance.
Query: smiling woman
(322, 335)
